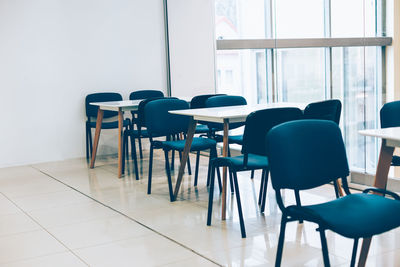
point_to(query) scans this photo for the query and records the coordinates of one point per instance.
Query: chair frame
(298, 214)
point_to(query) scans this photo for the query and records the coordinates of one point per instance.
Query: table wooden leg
(99, 121)
(224, 171)
(120, 136)
(381, 176)
(185, 154)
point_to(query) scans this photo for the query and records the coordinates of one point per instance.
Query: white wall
(192, 47)
(54, 52)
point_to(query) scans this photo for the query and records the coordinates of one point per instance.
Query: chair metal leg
(264, 196)
(354, 254)
(173, 138)
(150, 169)
(219, 180)
(134, 157)
(252, 174)
(281, 242)
(298, 201)
(231, 182)
(90, 143)
(209, 167)
(140, 147)
(196, 172)
(324, 246)
(260, 195)
(172, 160)
(87, 141)
(171, 193)
(188, 165)
(335, 185)
(211, 194)
(239, 205)
(124, 152)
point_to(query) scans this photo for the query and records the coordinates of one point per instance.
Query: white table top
(118, 105)
(233, 113)
(391, 135)
(124, 105)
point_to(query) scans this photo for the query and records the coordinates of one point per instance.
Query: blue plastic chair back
(144, 94)
(160, 122)
(91, 111)
(199, 101)
(305, 154)
(260, 122)
(390, 114)
(225, 101)
(324, 110)
(141, 116)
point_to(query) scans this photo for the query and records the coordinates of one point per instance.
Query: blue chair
(160, 122)
(136, 119)
(91, 116)
(324, 110)
(254, 156)
(390, 117)
(138, 133)
(309, 153)
(224, 101)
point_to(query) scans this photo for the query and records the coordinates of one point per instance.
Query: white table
(390, 140)
(223, 115)
(120, 107)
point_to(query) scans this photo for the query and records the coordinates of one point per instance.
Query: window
(291, 67)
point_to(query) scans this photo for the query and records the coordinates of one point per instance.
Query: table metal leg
(224, 172)
(185, 155)
(120, 136)
(99, 121)
(382, 171)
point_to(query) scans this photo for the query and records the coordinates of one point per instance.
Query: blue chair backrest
(199, 101)
(141, 116)
(225, 101)
(144, 94)
(91, 111)
(160, 122)
(259, 123)
(305, 154)
(324, 110)
(390, 114)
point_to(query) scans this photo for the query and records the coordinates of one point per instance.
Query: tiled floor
(64, 214)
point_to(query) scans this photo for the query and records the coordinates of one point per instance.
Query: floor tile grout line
(130, 218)
(43, 228)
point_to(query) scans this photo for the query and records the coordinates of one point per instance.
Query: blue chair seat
(201, 128)
(198, 143)
(236, 139)
(396, 161)
(353, 216)
(110, 125)
(254, 162)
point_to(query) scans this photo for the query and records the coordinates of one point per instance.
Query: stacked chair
(160, 122)
(324, 110)
(139, 120)
(91, 116)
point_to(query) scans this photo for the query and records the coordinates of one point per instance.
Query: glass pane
(243, 72)
(299, 19)
(355, 18)
(300, 74)
(242, 19)
(354, 81)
